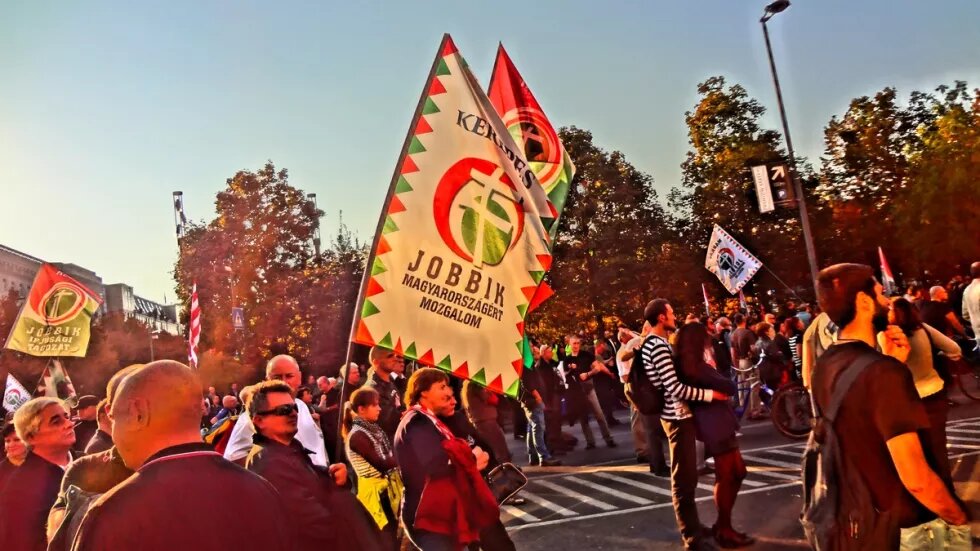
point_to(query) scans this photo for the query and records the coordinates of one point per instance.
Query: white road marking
(798, 455)
(964, 431)
(764, 461)
(575, 495)
(517, 513)
(957, 438)
(611, 491)
(637, 509)
(635, 483)
(547, 504)
(765, 471)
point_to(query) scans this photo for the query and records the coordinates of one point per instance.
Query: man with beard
(881, 415)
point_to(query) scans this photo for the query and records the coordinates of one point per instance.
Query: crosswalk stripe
(959, 430)
(957, 438)
(764, 461)
(635, 483)
(774, 474)
(547, 504)
(798, 455)
(610, 491)
(753, 483)
(706, 487)
(963, 446)
(517, 513)
(575, 495)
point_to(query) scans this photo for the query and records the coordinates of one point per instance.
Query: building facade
(18, 269)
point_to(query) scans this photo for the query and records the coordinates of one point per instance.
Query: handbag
(505, 480)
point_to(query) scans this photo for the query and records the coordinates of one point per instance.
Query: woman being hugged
(926, 343)
(379, 485)
(715, 424)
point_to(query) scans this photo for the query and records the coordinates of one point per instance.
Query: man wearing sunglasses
(280, 368)
(43, 424)
(323, 517)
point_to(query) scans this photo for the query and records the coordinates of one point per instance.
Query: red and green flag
(462, 244)
(534, 133)
(56, 318)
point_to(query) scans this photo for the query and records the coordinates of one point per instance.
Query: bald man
(168, 503)
(96, 473)
(280, 368)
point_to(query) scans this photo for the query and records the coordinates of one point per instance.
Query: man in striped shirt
(676, 419)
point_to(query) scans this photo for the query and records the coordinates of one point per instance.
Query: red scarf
(459, 505)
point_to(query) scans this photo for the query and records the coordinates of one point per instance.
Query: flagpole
(788, 288)
(369, 261)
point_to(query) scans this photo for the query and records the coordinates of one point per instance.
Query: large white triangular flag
(14, 395)
(730, 261)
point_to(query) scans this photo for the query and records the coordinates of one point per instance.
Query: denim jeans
(537, 449)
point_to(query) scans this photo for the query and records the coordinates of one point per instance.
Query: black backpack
(838, 510)
(646, 398)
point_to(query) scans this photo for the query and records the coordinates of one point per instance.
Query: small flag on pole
(730, 261)
(741, 301)
(707, 305)
(194, 336)
(15, 394)
(887, 279)
(56, 382)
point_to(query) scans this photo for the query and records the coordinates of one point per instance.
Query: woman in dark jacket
(716, 425)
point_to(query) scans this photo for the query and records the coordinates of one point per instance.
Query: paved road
(604, 500)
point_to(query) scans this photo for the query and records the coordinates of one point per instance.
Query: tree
(252, 255)
(726, 141)
(897, 176)
(937, 211)
(258, 248)
(612, 234)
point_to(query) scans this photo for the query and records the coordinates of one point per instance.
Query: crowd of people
(399, 455)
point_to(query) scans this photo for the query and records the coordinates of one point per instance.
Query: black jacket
(323, 515)
(24, 504)
(170, 503)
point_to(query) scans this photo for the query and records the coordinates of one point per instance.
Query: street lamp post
(811, 253)
(154, 335)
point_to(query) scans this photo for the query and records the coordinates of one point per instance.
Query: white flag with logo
(729, 261)
(461, 246)
(14, 395)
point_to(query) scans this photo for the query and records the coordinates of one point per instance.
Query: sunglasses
(284, 410)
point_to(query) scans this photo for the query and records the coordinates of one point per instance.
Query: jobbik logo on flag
(461, 246)
(56, 318)
(729, 261)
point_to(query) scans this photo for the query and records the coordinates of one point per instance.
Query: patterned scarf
(381, 444)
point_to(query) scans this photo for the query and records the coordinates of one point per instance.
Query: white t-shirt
(240, 441)
(624, 367)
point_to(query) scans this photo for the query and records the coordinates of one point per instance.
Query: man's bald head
(938, 293)
(156, 406)
(229, 402)
(284, 368)
(113, 385)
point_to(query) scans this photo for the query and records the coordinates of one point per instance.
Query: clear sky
(108, 107)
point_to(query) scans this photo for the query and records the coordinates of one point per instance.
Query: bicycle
(789, 406)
